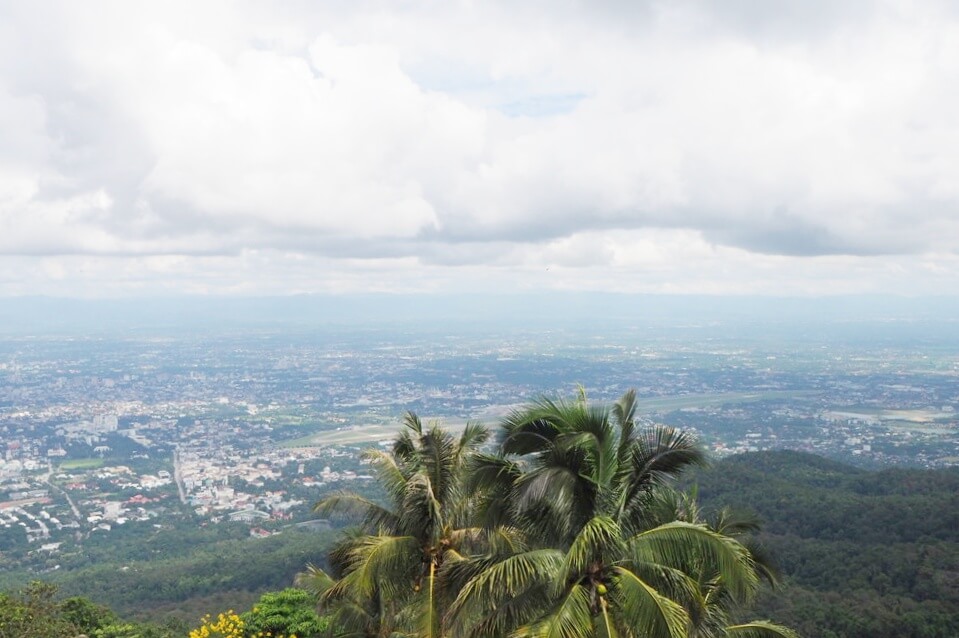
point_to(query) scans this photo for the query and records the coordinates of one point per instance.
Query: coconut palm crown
(577, 480)
(715, 618)
(391, 568)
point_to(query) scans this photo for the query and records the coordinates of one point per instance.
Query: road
(178, 477)
(73, 506)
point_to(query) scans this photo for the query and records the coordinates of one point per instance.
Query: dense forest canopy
(864, 554)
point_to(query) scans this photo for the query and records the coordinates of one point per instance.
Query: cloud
(483, 136)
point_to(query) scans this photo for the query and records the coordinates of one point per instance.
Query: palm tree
(714, 618)
(394, 569)
(578, 479)
(351, 615)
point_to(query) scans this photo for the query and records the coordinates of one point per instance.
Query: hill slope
(863, 554)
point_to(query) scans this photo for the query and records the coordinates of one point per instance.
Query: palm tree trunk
(432, 612)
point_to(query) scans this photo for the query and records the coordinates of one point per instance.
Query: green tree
(714, 618)
(33, 611)
(393, 570)
(287, 612)
(350, 613)
(122, 629)
(86, 616)
(578, 481)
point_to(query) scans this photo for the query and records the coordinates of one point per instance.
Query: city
(98, 435)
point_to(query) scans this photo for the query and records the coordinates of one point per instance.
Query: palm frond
(760, 629)
(624, 413)
(413, 423)
(595, 448)
(314, 580)
(350, 619)
(388, 472)
(350, 506)
(437, 457)
(571, 618)
(734, 522)
(490, 481)
(474, 435)
(404, 446)
(502, 580)
(656, 456)
(515, 612)
(556, 484)
(423, 514)
(664, 452)
(382, 563)
(644, 610)
(533, 428)
(600, 538)
(487, 471)
(677, 585)
(697, 549)
(763, 562)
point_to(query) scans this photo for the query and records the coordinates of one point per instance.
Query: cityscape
(103, 435)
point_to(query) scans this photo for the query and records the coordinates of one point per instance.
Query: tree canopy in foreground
(559, 530)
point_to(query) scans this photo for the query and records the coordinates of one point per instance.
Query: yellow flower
(228, 625)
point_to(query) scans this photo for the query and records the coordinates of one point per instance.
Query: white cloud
(640, 146)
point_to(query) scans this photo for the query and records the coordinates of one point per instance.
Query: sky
(796, 148)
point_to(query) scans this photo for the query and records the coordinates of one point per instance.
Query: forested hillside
(863, 554)
(198, 574)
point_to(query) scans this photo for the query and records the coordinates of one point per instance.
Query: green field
(81, 464)
(367, 433)
(672, 403)
(372, 432)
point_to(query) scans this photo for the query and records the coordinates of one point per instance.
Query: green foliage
(393, 570)
(565, 530)
(556, 534)
(134, 630)
(189, 582)
(895, 534)
(86, 616)
(33, 611)
(578, 482)
(288, 612)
